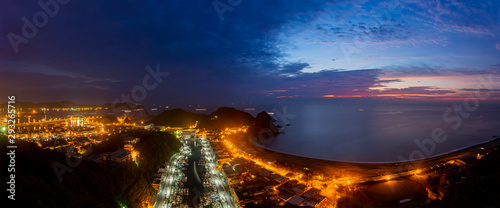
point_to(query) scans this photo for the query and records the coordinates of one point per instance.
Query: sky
(241, 51)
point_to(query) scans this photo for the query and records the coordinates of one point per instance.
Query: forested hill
(224, 117)
(88, 184)
(178, 118)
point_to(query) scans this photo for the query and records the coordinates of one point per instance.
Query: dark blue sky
(250, 51)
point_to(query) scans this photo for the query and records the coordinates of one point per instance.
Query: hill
(224, 117)
(263, 121)
(178, 118)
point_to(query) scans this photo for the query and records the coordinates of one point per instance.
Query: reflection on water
(371, 132)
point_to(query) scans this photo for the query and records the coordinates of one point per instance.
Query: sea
(367, 130)
(370, 131)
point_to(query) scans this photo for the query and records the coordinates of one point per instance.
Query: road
(169, 192)
(224, 195)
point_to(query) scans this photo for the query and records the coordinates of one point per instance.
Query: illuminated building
(76, 121)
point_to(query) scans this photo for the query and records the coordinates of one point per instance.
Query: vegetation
(153, 150)
(222, 118)
(109, 119)
(113, 143)
(178, 118)
(88, 184)
(227, 117)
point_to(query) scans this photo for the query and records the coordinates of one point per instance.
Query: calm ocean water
(378, 132)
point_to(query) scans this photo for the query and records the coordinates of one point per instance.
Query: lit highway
(168, 192)
(221, 195)
(218, 193)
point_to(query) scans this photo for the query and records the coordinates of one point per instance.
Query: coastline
(356, 169)
(382, 162)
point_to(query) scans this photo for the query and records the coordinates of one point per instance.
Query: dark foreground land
(86, 183)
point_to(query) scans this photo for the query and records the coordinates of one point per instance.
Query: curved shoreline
(382, 162)
(359, 169)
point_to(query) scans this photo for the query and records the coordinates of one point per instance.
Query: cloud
(409, 22)
(364, 32)
(475, 30)
(6, 65)
(293, 68)
(493, 69)
(498, 46)
(99, 41)
(416, 70)
(467, 17)
(479, 89)
(38, 87)
(415, 91)
(327, 82)
(432, 70)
